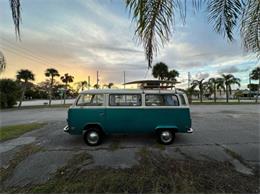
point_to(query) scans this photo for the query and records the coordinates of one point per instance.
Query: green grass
(13, 131)
(37, 107)
(155, 174)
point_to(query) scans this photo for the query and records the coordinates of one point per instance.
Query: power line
(26, 52)
(28, 57)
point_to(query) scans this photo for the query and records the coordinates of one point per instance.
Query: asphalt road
(218, 129)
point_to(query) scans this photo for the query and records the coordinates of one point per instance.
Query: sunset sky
(80, 37)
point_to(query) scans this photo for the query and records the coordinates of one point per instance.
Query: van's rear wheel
(165, 136)
(93, 137)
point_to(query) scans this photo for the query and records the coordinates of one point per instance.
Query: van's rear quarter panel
(179, 117)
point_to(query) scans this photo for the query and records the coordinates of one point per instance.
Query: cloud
(97, 35)
(232, 69)
(200, 76)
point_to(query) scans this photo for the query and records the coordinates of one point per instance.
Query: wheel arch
(170, 127)
(93, 125)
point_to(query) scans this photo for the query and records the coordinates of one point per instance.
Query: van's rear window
(125, 100)
(161, 100)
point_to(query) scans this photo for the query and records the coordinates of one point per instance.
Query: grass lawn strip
(13, 131)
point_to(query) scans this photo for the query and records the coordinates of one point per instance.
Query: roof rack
(151, 84)
(154, 84)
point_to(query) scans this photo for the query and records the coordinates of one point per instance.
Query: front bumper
(190, 130)
(66, 129)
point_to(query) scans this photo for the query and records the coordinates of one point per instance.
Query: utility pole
(249, 86)
(124, 79)
(89, 82)
(97, 78)
(189, 79)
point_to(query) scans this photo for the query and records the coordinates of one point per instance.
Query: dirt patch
(22, 154)
(155, 173)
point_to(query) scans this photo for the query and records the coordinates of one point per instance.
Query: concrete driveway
(222, 133)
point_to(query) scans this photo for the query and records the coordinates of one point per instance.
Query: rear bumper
(66, 129)
(190, 130)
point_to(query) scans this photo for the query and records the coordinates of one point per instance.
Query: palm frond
(16, 13)
(154, 20)
(224, 15)
(250, 27)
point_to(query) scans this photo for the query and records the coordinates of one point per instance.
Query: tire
(93, 136)
(165, 136)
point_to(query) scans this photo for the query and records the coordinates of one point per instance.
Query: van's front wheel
(93, 137)
(165, 136)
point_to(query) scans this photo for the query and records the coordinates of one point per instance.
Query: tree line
(22, 88)
(210, 87)
(223, 84)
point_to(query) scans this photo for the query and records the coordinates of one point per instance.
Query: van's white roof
(128, 91)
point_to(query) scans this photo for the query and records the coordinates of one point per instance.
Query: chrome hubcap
(93, 138)
(166, 136)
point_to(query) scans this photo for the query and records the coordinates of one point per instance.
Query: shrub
(9, 93)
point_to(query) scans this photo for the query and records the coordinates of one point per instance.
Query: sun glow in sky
(80, 37)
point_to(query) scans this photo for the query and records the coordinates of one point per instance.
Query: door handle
(101, 114)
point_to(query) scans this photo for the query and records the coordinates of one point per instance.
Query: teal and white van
(97, 113)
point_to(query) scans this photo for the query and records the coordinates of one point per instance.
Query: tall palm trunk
(258, 88)
(201, 93)
(65, 93)
(227, 91)
(50, 91)
(215, 91)
(22, 95)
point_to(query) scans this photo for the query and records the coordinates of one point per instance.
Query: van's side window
(161, 100)
(91, 100)
(125, 100)
(183, 102)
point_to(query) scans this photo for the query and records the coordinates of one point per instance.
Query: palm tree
(96, 86)
(66, 78)
(172, 74)
(215, 84)
(190, 92)
(201, 86)
(155, 20)
(229, 80)
(220, 85)
(255, 75)
(2, 62)
(81, 85)
(160, 71)
(24, 76)
(109, 85)
(51, 72)
(208, 89)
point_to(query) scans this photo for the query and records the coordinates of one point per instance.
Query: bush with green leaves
(9, 93)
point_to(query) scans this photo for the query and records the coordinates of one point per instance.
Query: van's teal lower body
(129, 120)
